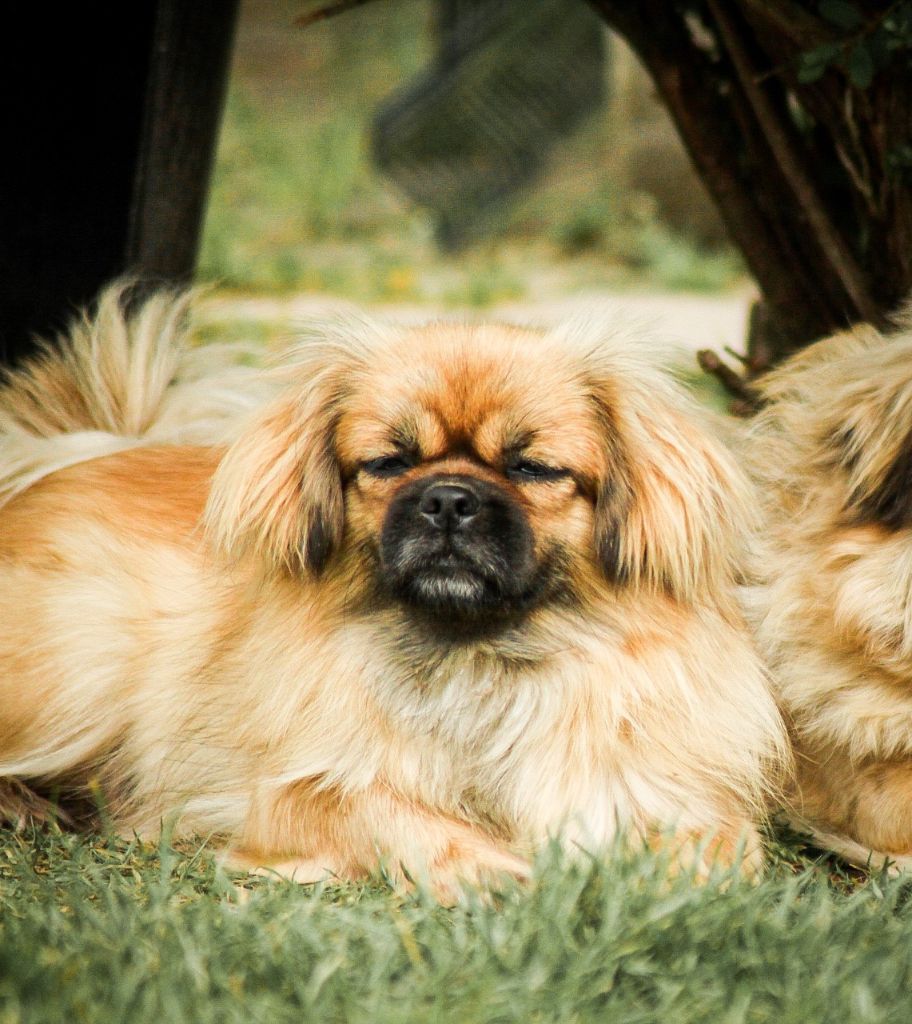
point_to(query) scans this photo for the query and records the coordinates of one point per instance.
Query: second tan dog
(832, 453)
(452, 591)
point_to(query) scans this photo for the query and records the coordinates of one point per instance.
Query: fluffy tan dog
(832, 452)
(453, 590)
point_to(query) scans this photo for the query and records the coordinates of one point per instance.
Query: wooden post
(109, 119)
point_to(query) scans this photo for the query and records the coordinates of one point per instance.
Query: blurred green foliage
(867, 42)
(296, 205)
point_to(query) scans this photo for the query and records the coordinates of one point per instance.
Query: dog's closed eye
(389, 465)
(524, 471)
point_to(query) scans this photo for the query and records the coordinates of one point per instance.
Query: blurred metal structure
(511, 79)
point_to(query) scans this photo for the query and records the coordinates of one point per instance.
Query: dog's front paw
(474, 864)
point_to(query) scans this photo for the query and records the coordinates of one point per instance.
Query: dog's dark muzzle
(457, 545)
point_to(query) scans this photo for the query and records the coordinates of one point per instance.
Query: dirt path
(683, 321)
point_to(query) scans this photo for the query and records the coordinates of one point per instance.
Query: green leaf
(808, 72)
(861, 67)
(879, 47)
(813, 63)
(841, 13)
(899, 22)
(825, 53)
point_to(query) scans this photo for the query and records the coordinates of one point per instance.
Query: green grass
(100, 930)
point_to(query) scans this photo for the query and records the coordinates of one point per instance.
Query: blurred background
(452, 155)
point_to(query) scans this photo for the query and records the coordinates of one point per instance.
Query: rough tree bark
(812, 177)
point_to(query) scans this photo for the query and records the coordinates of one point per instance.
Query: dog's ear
(880, 472)
(846, 408)
(673, 509)
(840, 412)
(278, 490)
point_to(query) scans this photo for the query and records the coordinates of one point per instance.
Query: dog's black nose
(448, 506)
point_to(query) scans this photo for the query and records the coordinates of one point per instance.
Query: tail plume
(118, 378)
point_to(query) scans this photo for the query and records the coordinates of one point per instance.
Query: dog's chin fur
(285, 645)
(465, 607)
(833, 605)
(456, 599)
(454, 594)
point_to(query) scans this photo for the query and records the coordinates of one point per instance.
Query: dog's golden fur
(832, 454)
(208, 633)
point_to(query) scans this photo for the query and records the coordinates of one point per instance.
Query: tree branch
(328, 11)
(835, 250)
(747, 400)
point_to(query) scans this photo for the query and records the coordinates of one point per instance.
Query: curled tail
(118, 378)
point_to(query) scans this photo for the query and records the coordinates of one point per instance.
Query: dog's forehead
(490, 387)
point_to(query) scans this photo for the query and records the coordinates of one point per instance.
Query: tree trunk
(811, 178)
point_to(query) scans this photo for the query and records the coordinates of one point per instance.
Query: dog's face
(478, 473)
(474, 478)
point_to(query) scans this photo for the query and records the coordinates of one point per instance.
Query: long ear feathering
(277, 493)
(846, 403)
(119, 377)
(673, 511)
